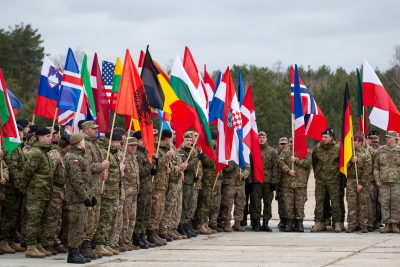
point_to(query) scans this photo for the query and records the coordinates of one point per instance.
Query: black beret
(137, 135)
(214, 136)
(80, 124)
(373, 133)
(33, 128)
(23, 122)
(328, 131)
(119, 131)
(42, 131)
(29, 137)
(65, 137)
(166, 133)
(20, 127)
(56, 128)
(115, 136)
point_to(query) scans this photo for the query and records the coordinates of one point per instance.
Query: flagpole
(109, 143)
(126, 144)
(158, 145)
(54, 120)
(198, 166)
(33, 119)
(197, 137)
(73, 123)
(355, 164)
(363, 120)
(216, 178)
(1, 180)
(292, 142)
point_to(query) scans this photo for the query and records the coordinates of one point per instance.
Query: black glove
(272, 187)
(153, 172)
(94, 201)
(200, 156)
(166, 192)
(250, 188)
(196, 178)
(88, 203)
(345, 183)
(155, 160)
(18, 193)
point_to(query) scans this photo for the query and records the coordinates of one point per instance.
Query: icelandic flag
(164, 116)
(212, 119)
(242, 161)
(49, 89)
(300, 141)
(226, 108)
(15, 103)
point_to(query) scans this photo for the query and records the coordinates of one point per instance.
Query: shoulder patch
(13, 157)
(76, 161)
(33, 163)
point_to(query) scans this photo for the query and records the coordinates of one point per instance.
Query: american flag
(108, 76)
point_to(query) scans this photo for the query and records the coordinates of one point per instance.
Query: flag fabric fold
(212, 119)
(347, 134)
(361, 107)
(14, 101)
(107, 73)
(242, 161)
(115, 84)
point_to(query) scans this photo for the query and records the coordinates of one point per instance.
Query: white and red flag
(384, 113)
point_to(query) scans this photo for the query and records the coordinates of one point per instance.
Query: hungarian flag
(115, 84)
(347, 133)
(384, 113)
(360, 106)
(9, 131)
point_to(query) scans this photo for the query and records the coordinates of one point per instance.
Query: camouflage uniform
(387, 171)
(50, 237)
(261, 191)
(373, 212)
(279, 187)
(233, 191)
(3, 187)
(12, 206)
(206, 193)
(79, 183)
(294, 188)
(325, 161)
(26, 148)
(358, 201)
(216, 202)
(38, 184)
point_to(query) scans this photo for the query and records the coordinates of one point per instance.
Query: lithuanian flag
(115, 85)
(347, 134)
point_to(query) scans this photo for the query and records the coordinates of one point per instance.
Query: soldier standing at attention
(387, 177)
(3, 181)
(283, 144)
(37, 183)
(79, 196)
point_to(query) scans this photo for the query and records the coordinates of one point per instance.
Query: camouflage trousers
(262, 192)
(281, 202)
(327, 207)
(24, 219)
(357, 204)
(342, 207)
(12, 209)
(215, 204)
(157, 210)
(143, 212)
(232, 195)
(373, 204)
(117, 222)
(93, 219)
(170, 204)
(389, 197)
(332, 191)
(53, 229)
(102, 236)
(37, 220)
(129, 218)
(187, 203)
(78, 217)
(194, 204)
(65, 222)
(177, 212)
(247, 205)
(294, 200)
(206, 195)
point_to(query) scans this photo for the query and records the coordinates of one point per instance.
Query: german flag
(347, 134)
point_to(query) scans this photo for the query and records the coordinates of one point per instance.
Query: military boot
(216, 228)
(189, 230)
(238, 227)
(207, 227)
(203, 230)
(60, 249)
(86, 259)
(163, 241)
(138, 242)
(131, 246)
(190, 225)
(182, 231)
(125, 246)
(289, 226)
(342, 226)
(113, 251)
(75, 257)
(152, 238)
(282, 224)
(300, 226)
(256, 225)
(317, 227)
(6, 248)
(227, 226)
(265, 226)
(175, 231)
(328, 221)
(166, 237)
(220, 224)
(1, 252)
(50, 249)
(100, 249)
(338, 227)
(386, 229)
(395, 229)
(144, 240)
(364, 229)
(14, 246)
(370, 228)
(32, 252)
(42, 250)
(350, 229)
(244, 221)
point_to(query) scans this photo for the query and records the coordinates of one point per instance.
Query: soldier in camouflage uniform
(37, 184)
(325, 161)
(386, 172)
(79, 197)
(358, 195)
(4, 179)
(374, 206)
(264, 191)
(50, 238)
(294, 186)
(12, 204)
(197, 184)
(216, 205)
(283, 144)
(27, 145)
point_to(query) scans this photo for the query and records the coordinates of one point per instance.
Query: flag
(9, 131)
(115, 83)
(300, 141)
(107, 73)
(162, 71)
(100, 98)
(162, 116)
(14, 101)
(251, 142)
(347, 133)
(141, 60)
(314, 119)
(49, 89)
(209, 86)
(384, 113)
(212, 119)
(360, 106)
(187, 93)
(226, 108)
(242, 162)
(135, 126)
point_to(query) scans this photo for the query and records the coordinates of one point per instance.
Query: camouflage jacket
(364, 167)
(58, 166)
(112, 186)
(161, 178)
(78, 176)
(270, 165)
(131, 180)
(175, 166)
(15, 162)
(230, 174)
(302, 168)
(325, 161)
(37, 179)
(27, 146)
(146, 185)
(191, 169)
(387, 164)
(209, 168)
(280, 173)
(5, 176)
(199, 170)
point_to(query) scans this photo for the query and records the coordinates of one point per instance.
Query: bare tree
(278, 70)
(168, 66)
(396, 60)
(59, 60)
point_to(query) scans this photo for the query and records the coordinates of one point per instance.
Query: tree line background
(22, 52)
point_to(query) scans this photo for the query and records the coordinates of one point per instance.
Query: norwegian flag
(314, 119)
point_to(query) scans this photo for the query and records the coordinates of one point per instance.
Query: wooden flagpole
(216, 178)
(54, 120)
(126, 143)
(363, 120)
(197, 137)
(355, 164)
(73, 123)
(158, 145)
(109, 144)
(33, 119)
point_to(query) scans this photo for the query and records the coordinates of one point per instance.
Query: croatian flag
(242, 157)
(300, 141)
(226, 108)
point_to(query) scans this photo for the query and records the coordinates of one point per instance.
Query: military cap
(42, 131)
(290, 139)
(262, 134)
(29, 137)
(214, 136)
(358, 137)
(187, 134)
(56, 129)
(65, 137)
(20, 127)
(33, 128)
(367, 137)
(137, 135)
(115, 136)
(80, 124)
(89, 124)
(76, 138)
(391, 134)
(131, 141)
(374, 133)
(23, 122)
(119, 131)
(363, 134)
(155, 131)
(328, 131)
(283, 140)
(194, 133)
(166, 133)
(374, 138)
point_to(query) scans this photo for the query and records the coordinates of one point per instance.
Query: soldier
(325, 161)
(55, 136)
(386, 172)
(12, 204)
(156, 137)
(25, 124)
(98, 165)
(37, 184)
(264, 191)
(27, 146)
(79, 196)
(50, 237)
(283, 144)
(32, 129)
(4, 178)
(374, 135)
(375, 218)
(122, 133)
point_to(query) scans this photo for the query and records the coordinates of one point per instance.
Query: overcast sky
(218, 33)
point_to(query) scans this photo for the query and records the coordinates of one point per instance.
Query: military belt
(58, 185)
